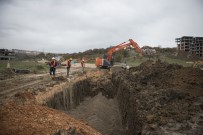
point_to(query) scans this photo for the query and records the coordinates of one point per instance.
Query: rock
(150, 118)
(71, 130)
(153, 126)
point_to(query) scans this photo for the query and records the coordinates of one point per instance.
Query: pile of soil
(160, 98)
(163, 75)
(26, 119)
(22, 115)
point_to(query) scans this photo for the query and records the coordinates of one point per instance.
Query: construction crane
(107, 61)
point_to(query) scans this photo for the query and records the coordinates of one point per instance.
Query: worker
(83, 65)
(68, 66)
(53, 65)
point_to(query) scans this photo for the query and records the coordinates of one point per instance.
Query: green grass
(33, 66)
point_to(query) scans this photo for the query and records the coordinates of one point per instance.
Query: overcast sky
(67, 26)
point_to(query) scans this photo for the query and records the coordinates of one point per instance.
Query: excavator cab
(103, 63)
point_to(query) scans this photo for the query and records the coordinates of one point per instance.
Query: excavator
(107, 61)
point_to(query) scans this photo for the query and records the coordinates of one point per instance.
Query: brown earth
(160, 98)
(8, 73)
(154, 98)
(26, 119)
(22, 112)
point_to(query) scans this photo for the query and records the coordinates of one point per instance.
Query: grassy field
(33, 66)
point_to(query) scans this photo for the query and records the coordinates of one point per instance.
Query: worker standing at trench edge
(53, 65)
(68, 66)
(83, 65)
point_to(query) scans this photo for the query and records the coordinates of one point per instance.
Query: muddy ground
(154, 98)
(160, 98)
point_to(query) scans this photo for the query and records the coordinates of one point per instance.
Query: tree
(125, 53)
(118, 57)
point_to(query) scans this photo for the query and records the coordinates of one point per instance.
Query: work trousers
(52, 71)
(68, 70)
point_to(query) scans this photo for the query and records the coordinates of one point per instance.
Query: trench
(135, 102)
(91, 104)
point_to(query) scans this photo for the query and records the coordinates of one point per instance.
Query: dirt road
(35, 82)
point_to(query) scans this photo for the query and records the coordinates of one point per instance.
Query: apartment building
(190, 44)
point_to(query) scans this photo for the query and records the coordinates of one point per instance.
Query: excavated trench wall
(146, 105)
(91, 101)
(70, 97)
(160, 98)
(130, 120)
(110, 87)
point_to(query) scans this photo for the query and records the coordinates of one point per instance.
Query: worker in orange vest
(68, 66)
(53, 65)
(83, 65)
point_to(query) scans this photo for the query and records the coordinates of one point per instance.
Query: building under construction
(6, 54)
(193, 45)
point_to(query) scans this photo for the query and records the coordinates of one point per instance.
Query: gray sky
(67, 26)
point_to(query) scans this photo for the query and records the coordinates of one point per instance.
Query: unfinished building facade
(193, 45)
(6, 54)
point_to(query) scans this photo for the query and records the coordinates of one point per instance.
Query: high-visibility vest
(53, 63)
(82, 63)
(68, 63)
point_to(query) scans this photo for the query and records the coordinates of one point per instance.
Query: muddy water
(100, 113)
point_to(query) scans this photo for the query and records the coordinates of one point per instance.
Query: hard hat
(53, 58)
(70, 58)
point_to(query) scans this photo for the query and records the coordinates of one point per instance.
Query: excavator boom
(108, 62)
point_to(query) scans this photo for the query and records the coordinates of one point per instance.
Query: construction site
(147, 95)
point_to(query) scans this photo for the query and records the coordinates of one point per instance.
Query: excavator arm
(136, 46)
(122, 46)
(115, 49)
(107, 63)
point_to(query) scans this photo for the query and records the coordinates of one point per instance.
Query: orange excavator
(107, 61)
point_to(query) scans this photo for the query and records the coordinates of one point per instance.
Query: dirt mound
(7, 73)
(164, 75)
(24, 97)
(37, 119)
(160, 98)
(187, 56)
(25, 117)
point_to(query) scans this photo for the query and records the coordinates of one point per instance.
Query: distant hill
(91, 54)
